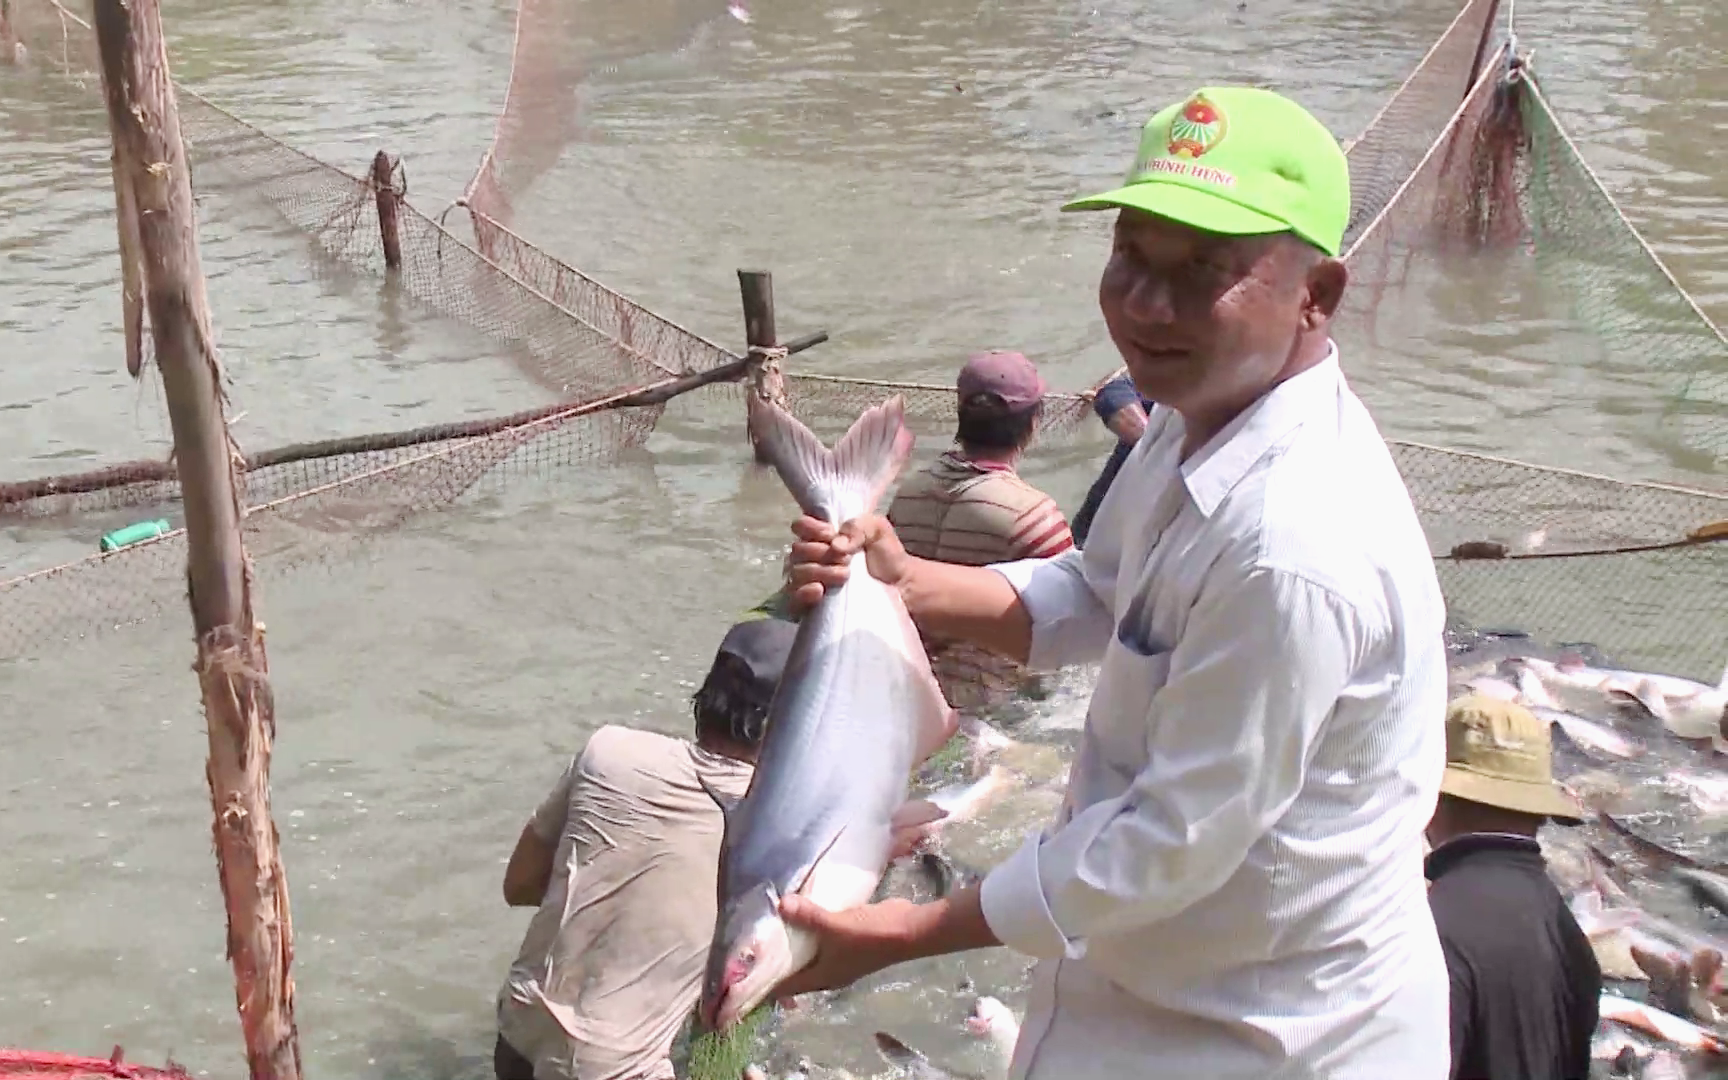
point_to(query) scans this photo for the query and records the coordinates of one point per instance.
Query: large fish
(1689, 709)
(856, 711)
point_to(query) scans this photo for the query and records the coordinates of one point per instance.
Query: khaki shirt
(611, 965)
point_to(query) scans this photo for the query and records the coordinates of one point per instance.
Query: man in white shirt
(1234, 887)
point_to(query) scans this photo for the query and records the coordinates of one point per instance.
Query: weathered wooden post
(8, 39)
(389, 217)
(232, 671)
(1489, 25)
(756, 287)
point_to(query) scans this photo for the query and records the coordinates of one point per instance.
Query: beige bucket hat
(1499, 754)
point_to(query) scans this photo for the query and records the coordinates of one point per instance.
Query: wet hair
(729, 705)
(987, 423)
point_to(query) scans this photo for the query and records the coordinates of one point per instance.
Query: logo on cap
(1199, 127)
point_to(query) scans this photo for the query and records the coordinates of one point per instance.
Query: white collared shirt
(1235, 886)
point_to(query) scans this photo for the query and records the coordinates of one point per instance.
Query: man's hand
(863, 941)
(907, 839)
(851, 944)
(820, 556)
(1128, 422)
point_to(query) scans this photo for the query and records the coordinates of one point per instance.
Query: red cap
(1008, 375)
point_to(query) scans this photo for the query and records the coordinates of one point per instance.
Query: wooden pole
(233, 673)
(756, 289)
(389, 216)
(8, 39)
(1482, 44)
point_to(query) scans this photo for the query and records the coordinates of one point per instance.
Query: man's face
(1205, 321)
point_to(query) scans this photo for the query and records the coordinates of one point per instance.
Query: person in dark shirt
(1124, 412)
(1525, 984)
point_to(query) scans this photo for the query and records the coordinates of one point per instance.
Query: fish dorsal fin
(728, 804)
(839, 484)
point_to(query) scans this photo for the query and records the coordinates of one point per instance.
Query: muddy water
(897, 166)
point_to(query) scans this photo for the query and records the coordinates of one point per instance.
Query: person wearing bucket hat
(1525, 981)
(1233, 887)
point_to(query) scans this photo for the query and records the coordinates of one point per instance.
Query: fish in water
(991, 1019)
(908, 1061)
(856, 711)
(739, 10)
(1592, 738)
(1708, 888)
(1663, 1025)
(1689, 709)
(1708, 791)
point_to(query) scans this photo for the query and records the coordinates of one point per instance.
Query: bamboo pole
(233, 673)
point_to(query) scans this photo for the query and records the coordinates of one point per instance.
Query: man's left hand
(850, 944)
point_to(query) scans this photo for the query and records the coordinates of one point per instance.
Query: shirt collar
(1453, 851)
(1212, 471)
(960, 460)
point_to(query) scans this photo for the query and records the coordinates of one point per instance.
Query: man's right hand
(1128, 423)
(821, 554)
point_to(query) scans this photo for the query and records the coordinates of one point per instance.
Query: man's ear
(1326, 281)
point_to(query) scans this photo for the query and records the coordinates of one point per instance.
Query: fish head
(751, 955)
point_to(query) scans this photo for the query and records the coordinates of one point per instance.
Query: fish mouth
(711, 1012)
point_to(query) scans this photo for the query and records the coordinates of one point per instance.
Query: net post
(389, 218)
(756, 289)
(8, 40)
(150, 156)
(1482, 46)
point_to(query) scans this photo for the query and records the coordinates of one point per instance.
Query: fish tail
(839, 484)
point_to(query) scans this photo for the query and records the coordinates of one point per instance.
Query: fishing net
(568, 333)
(42, 1065)
(1634, 568)
(1436, 185)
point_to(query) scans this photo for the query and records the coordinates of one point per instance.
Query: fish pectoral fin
(803, 888)
(726, 803)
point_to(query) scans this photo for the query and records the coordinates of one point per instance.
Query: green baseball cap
(1238, 161)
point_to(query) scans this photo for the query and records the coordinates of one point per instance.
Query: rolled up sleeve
(1257, 674)
(1113, 395)
(1070, 623)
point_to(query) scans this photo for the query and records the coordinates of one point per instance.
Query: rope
(1511, 34)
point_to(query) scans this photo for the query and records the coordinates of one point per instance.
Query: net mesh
(1626, 566)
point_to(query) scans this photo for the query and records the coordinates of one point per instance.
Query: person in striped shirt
(972, 508)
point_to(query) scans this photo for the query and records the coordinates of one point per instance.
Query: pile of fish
(1647, 757)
